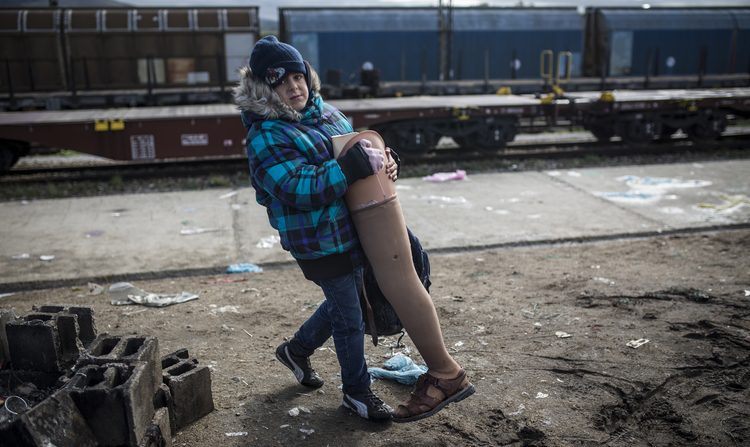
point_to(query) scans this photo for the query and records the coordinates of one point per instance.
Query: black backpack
(380, 317)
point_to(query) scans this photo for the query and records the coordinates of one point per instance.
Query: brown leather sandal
(421, 405)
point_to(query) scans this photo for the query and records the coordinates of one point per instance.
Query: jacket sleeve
(284, 172)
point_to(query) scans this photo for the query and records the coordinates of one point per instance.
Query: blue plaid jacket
(298, 181)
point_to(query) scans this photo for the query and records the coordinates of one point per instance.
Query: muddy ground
(503, 313)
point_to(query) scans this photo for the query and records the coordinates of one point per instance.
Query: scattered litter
(224, 309)
(519, 411)
(46, 258)
(284, 426)
(637, 343)
(458, 344)
(16, 408)
(3, 295)
(248, 333)
(193, 231)
(606, 281)
(95, 289)
(541, 395)
(236, 433)
(294, 412)
(400, 368)
(747, 292)
(307, 431)
(573, 174)
(537, 325)
(125, 293)
(229, 194)
(438, 177)
(561, 334)
(268, 242)
(21, 256)
(244, 268)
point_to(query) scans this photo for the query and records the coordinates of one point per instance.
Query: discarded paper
(561, 334)
(125, 293)
(637, 343)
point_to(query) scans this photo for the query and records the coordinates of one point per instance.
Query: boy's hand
(391, 166)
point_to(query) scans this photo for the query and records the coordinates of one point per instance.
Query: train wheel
(708, 127)
(496, 135)
(8, 158)
(602, 133)
(409, 140)
(639, 130)
(667, 132)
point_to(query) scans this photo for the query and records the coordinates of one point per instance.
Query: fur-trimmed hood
(257, 99)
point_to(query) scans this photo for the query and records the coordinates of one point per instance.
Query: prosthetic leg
(380, 224)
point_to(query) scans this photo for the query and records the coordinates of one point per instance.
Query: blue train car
(415, 44)
(662, 42)
(506, 43)
(401, 43)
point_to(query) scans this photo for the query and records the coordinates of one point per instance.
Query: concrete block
(116, 400)
(67, 331)
(55, 421)
(86, 326)
(174, 358)
(129, 350)
(6, 315)
(159, 433)
(190, 387)
(34, 344)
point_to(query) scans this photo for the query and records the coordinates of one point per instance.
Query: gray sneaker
(368, 406)
(300, 366)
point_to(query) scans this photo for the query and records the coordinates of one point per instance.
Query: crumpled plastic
(244, 268)
(439, 177)
(400, 368)
(125, 293)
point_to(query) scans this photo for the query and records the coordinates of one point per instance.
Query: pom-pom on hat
(272, 60)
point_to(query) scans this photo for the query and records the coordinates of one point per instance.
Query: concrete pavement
(114, 236)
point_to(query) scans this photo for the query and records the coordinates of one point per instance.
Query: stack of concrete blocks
(110, 391)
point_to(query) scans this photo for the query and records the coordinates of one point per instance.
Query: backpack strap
(370, 315)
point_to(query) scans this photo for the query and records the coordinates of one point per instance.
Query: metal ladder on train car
(550, 73)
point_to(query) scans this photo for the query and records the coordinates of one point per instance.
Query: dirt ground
(505, 315)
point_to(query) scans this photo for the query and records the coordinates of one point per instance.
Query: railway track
(447, 155)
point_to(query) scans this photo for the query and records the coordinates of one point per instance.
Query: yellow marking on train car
(607, 96)
(504, 91)
(117, 124)
(101, 125)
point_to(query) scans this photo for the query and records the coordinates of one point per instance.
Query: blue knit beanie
(272, 60)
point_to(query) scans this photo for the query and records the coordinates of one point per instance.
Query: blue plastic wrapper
(400, 368)
(244, 268)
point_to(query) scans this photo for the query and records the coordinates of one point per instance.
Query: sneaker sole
(458, 397)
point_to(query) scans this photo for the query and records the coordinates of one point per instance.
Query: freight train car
(412, 125)
(81, 57)
(479, 49)
(410, 44)
(668, 42)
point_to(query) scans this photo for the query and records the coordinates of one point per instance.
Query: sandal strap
(420, 399)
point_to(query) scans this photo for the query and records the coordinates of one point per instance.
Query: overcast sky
(268, 8)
